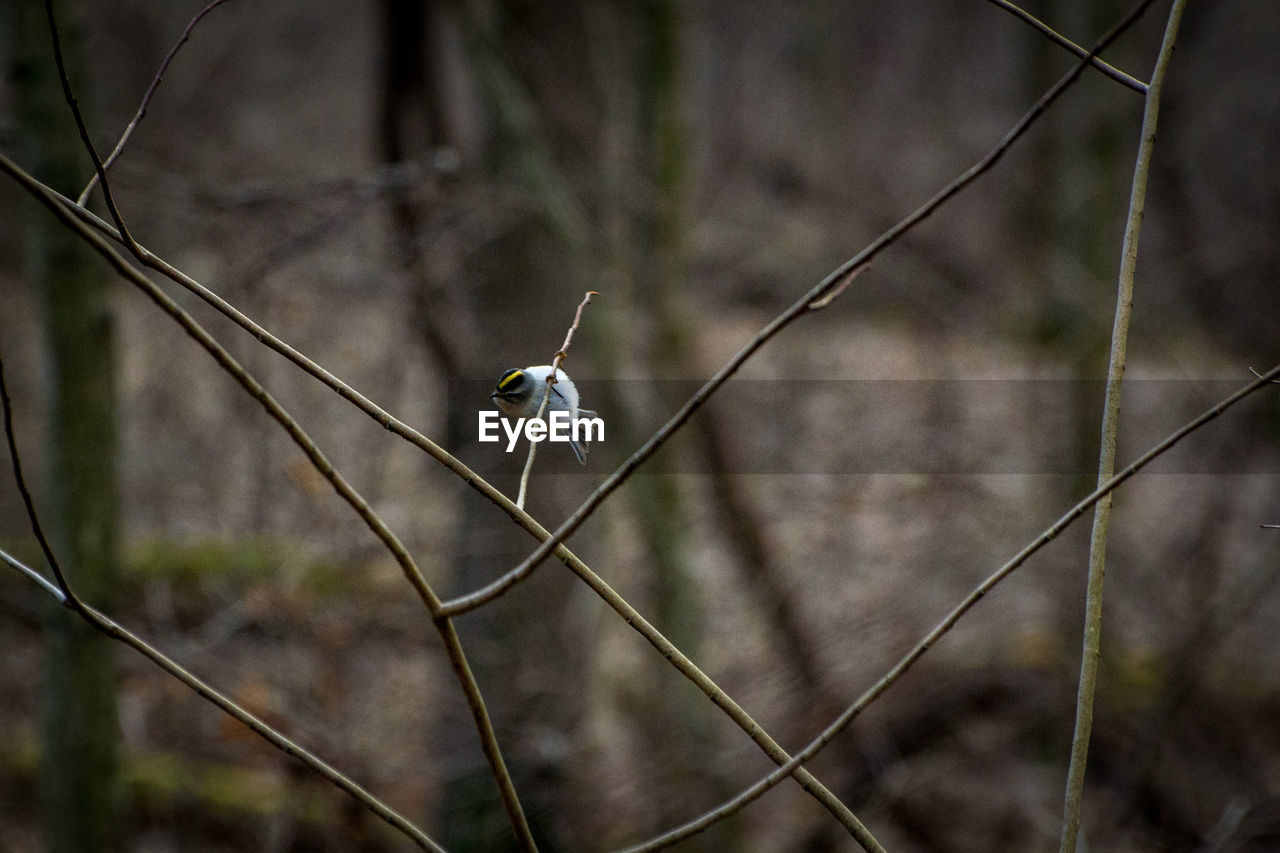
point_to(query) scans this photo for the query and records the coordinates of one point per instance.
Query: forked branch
(146, 101)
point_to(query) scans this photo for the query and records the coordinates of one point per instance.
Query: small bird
(519, 394)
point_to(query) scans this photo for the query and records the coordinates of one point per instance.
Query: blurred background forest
(416, 194)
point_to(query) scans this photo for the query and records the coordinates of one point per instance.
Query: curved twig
(146, 101)
(70, 97)
(561, 355)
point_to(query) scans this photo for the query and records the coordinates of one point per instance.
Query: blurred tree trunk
(430, 49)
(660, 268)
(642, 234)
(412, 128)
(79, 781)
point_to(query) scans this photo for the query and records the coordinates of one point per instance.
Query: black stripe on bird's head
(508, 384)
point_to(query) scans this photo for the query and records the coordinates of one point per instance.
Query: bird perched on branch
(519, 392)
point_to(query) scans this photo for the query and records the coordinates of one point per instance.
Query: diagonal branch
(900, 668)
(65, 596)
(146, 101)
(810, 301)
(45, 583)
(320, 462)
(597, 584)
(260, 333)
(70, 97)
(1062, 41)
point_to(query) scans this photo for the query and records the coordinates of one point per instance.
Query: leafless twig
(320, 462)
(146, 101)
(70, 97)
(1092, 633)
(49, 587)
(1062, 41)
(546, 393)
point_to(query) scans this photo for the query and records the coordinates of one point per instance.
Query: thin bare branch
(320, 462)
(977, 594)
(1062, 41)
(834, 280)
(575, 564)
(146, 101)
(58, 590)
(313, 369)
(70, 97)
(546, 392)
(1092, 639)
(44, 583)
(63, 594)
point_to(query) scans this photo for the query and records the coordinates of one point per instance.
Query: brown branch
(70, 97)
(320, 462)
(561, 355)
(146, 101)
(1062, 41)
(67, 597)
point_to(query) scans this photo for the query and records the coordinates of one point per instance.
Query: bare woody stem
(1092, 639)
(1064, 42)
(320, 462)
(74, 105)
(146, 101)
(546, 392)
